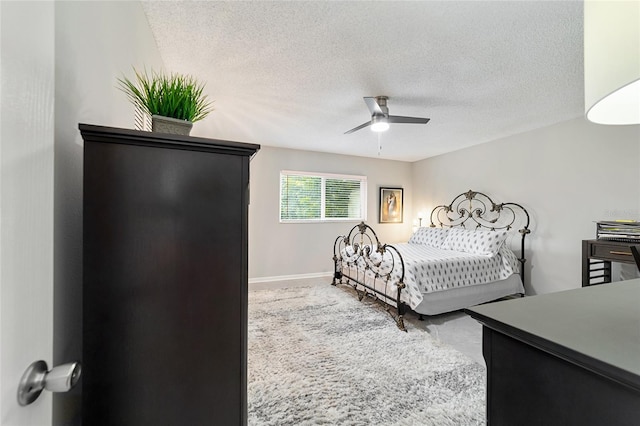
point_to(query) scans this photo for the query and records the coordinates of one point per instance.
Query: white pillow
(429, 236)
(476, 241)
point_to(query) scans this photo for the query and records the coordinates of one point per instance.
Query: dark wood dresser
(165, 279)
(566, 358)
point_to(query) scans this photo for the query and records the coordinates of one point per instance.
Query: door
(26, 202)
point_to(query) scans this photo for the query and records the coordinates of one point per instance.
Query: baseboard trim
(285, 281)
(290, 277)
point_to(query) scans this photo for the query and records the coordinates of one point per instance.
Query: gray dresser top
(597, 327)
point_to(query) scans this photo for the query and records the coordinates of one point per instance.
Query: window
(322, 197)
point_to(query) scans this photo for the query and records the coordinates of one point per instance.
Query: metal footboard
(361, 261)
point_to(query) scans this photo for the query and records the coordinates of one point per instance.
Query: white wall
(96, 42)
(567, 176)
(289, 249)
(26, 202)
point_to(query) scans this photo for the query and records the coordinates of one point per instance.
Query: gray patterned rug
(318, 356)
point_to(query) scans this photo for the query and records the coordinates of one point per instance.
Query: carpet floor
(318, 356)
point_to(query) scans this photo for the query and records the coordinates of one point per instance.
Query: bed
(472, 252)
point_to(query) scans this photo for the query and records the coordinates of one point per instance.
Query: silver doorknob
(36, 378)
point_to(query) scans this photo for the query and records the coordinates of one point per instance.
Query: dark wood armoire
(164, 279)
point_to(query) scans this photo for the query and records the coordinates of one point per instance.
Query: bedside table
(597, 256)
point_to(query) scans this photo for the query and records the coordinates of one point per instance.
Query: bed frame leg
(401, 307)
(400, 323)
(336, 276)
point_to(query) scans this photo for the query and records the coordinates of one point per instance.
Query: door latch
(38, 377)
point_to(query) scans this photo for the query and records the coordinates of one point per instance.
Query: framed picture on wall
(391, 205)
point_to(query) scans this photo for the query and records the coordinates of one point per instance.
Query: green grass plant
(175, 95)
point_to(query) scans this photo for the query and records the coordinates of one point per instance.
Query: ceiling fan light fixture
(379, 123)
(380, 118)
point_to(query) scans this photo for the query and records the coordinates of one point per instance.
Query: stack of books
(618, 230)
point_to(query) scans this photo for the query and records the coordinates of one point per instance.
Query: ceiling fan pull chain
(379, 144)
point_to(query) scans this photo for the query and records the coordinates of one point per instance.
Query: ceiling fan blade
(362, 126)
(373, 106)
(408, 120)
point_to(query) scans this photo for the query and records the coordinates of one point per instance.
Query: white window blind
(322, 197)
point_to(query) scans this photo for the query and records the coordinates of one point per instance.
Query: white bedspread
(429, 269)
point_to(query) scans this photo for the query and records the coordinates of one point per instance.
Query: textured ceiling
(293, 74)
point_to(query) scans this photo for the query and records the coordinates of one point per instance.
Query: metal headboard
(479, 211)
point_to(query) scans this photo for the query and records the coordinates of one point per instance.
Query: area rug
(318, 356)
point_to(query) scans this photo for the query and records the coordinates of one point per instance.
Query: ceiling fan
(380, 118)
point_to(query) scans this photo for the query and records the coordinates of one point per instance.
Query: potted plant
(174, 101)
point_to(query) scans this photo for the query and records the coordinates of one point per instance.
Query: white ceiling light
(379, 123)
(612, 61)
